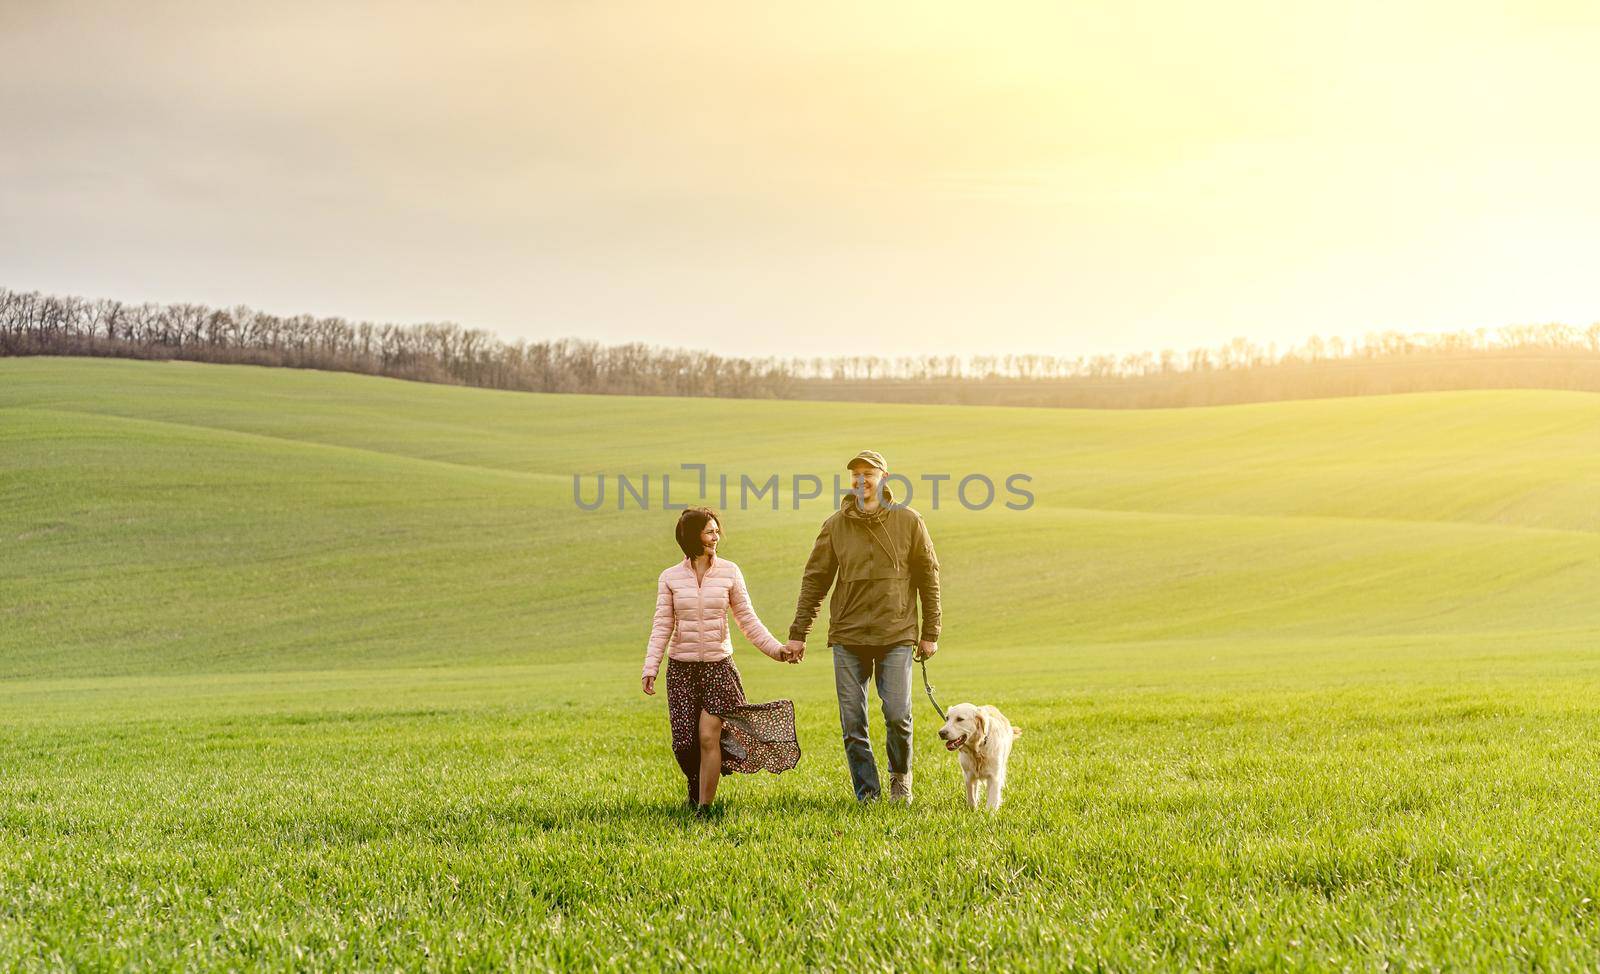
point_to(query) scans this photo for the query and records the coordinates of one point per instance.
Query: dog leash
(929, 687)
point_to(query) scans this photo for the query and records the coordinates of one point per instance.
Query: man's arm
(821, 568)
(925, 575)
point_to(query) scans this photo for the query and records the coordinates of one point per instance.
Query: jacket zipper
(700, 591)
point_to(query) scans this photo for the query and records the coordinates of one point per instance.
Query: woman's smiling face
(710, 535)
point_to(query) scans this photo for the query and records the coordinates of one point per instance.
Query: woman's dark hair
(690, 523)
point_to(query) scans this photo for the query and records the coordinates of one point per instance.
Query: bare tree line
(1546, 355)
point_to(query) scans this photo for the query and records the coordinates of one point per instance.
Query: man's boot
(900, 788)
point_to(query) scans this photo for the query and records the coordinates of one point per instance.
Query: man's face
(865, 477)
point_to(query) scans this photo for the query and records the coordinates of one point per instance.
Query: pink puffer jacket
(692, 615)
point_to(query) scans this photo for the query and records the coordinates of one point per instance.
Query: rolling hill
(181, 518)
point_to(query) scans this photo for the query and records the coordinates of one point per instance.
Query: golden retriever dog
(981, 738)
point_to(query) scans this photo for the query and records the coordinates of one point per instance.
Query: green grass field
(304, 671)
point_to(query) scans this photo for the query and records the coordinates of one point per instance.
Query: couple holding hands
(879, 560)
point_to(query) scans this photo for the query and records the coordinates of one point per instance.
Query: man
(881, 554)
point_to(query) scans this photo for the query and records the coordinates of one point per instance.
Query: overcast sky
(814, 177)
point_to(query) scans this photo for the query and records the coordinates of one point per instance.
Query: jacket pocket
(875, 601)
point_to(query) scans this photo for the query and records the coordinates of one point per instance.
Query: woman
(714, 731)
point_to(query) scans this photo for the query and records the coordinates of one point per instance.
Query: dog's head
(963, 724)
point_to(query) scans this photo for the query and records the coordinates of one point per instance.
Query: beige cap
(869, 456)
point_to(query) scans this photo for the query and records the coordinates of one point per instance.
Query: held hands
(926, 648)
(794, 651)
(649, 685)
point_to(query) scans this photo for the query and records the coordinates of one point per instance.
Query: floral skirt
(755, 736)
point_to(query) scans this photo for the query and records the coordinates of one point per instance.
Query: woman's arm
(660, 629)
(749, 623)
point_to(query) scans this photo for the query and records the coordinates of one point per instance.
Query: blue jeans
(891, 665)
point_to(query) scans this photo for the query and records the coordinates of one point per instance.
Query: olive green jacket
(882, 563)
